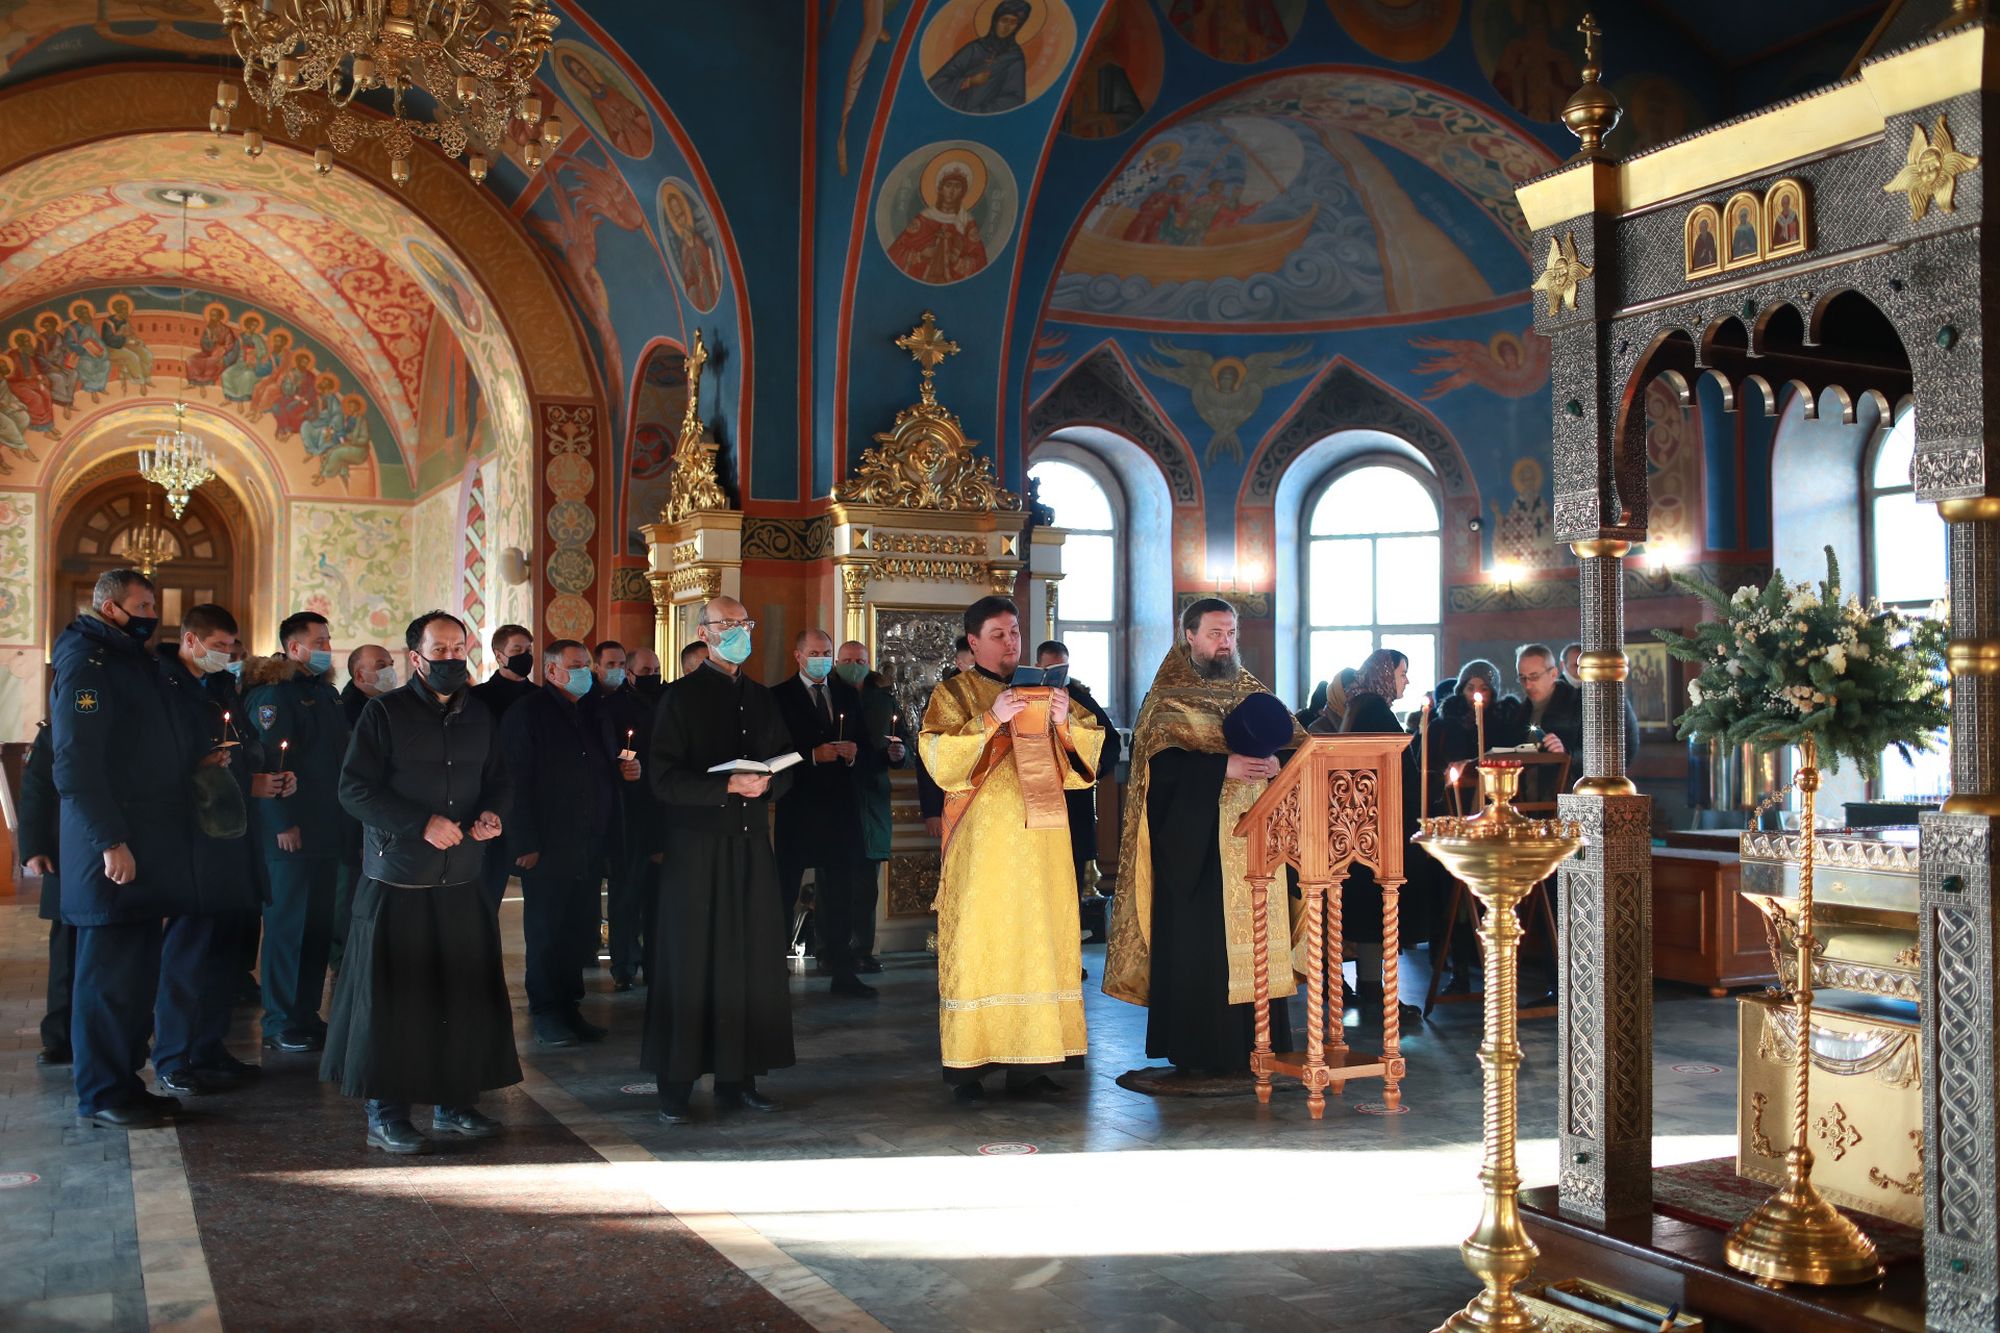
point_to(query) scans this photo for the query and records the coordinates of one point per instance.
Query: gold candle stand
(1500, 854)
(1796, 1235)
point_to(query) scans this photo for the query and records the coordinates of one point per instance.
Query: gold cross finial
(1591, 32)
(1591, 112)
(928, 347)
(695, 361)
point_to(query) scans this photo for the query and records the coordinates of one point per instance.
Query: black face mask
(447, 675)
(646, 684)
(521, 664)
(140, 627)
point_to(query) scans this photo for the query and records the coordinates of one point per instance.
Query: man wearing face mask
(719, 1003)
(198, 962)
(514, 652)
(370, 672)
(642, 668)
(296, 715)
(637, 853)
(420, 1014)
(881, 750)
(124, 751)
(564, 768)
(819, 819)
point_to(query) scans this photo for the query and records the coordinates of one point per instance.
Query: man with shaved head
(881, 750)
(819, 821)
(642, 668)
(720, 1002)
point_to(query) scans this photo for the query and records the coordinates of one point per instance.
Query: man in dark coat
(719, 1003)
(882, 749)
(819, 819)
(125, 745)
(296, 714)
(370, 671)
(420, 1013)
(642, 669)
(40, 832)
(1083, 802)
(189, 1052)
(564, 769)
(512, 681)
(637, 853)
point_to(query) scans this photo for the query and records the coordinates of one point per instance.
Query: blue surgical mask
(613, 677)
(319, 661)
(577, 682)
(236, 668)
(734, 646)
(819, 667)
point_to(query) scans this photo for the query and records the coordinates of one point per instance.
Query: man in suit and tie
(819, 819)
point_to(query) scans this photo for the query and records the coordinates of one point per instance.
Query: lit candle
(225, 724)
(1424, 759)
(283, 746)
(1479, 719)
(1451, 781)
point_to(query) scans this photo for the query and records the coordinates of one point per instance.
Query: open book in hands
(775, 765)
(1055, 677)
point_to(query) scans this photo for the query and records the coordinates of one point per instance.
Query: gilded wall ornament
(695, 486)
(924, 461)
(1931, 171)
(1563, 274)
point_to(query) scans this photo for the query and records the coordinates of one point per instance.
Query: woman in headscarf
(1455, 740)
(1315, 707)
(989, 73)
(1385, 675)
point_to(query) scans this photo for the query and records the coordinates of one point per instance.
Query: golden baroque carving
(924, 460)
(694, 486)
(1910, 1184)
(854, 579)
(1930, 171)
(1563, 274)
(937, 571)
(929, 543)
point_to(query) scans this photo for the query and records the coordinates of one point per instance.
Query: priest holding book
(719, 1001)
(1010, 962)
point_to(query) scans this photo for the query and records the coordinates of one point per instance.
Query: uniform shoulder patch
(267, 716)
(86, 701)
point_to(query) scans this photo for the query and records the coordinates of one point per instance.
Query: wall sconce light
(1509, 572)
(1665, 555)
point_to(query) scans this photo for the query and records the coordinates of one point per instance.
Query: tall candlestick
(1424, 759)
(1479, 720)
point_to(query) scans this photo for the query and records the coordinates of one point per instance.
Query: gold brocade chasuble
(1184, 712)
(1010, 957)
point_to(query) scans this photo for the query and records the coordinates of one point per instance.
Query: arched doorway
(94, 532)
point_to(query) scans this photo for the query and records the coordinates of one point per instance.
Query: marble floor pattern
(872, 1202)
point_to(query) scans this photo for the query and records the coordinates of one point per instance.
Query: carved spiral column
(1957, 925)
(1605, 1017)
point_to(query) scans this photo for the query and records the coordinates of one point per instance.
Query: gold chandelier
(307, 60)
(149, 545)
(177, 463)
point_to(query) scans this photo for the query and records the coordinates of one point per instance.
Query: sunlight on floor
(1192, 1202)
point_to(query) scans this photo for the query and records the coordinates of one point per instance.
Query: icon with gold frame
(1742, 230)
(1786, 222)
(1701, 241)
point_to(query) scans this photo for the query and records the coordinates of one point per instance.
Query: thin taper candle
(1424, 760)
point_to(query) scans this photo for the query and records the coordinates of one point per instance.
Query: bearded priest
(1182, 935)
(1010, 958)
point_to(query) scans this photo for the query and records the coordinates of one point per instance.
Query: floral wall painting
(1120, 75)
(1701, 240)
(604, 97)
(351, 564)
(1400, 30)
(984, 57)
(658, 407)
(946, 211)
(1241, 32)
(689, 232)
(1511, 365)
(1742, 230)
(18, 611)
(1524, 47)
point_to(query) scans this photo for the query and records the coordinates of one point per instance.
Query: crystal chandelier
(149, 545)
(177, 463)
(473, 61)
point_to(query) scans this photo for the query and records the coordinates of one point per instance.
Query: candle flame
(1451, 774)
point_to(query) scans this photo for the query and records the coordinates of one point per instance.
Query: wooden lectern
(1338, 802)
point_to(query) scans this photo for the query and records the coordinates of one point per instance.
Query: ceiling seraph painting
(946, 211)
(1120, 75)
(984, 57)
(1279, 203)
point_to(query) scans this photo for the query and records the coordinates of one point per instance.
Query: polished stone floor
(872, 1201)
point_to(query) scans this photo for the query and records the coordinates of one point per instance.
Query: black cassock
(1189, 1019)
(719, 1001)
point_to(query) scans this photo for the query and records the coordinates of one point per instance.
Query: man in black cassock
(719, 1002)
(1083, 801)
(1202, 752)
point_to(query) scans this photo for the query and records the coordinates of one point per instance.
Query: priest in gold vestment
(1182, 931)
(1010, 958)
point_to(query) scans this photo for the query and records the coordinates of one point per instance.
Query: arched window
(1906, 546)
(1089, 599)
(1373, 574)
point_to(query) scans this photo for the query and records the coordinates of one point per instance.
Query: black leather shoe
(228, 1066)
(553, 1032)
(54, 1055)
(1040, 1088)
(466, 1123)
(968, 1094)
(675, 1112)
(869, 965)
(748, 1099)
(586, 1031)
(849, 984)
(132, 1115)
(399, 1137)
(621, 984)
(292, 1040)
(188, 1081)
